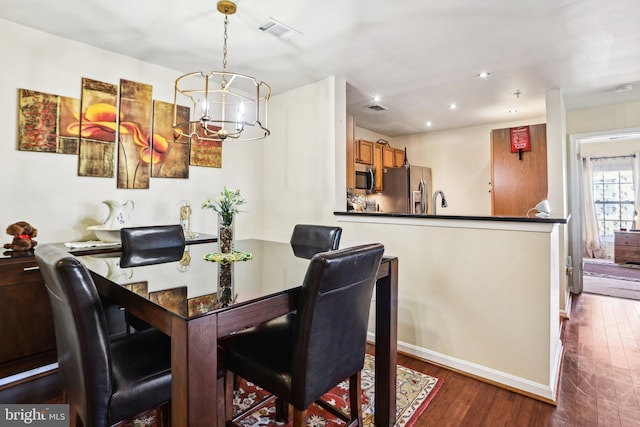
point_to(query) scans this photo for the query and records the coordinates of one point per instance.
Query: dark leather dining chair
(301, 356)
(105, 382)
(308, 240)
(149, 245)
(151, 237)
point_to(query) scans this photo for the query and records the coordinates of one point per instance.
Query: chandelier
(221, 104)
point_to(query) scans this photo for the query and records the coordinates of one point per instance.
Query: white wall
(460, 162)
(369, 135)
(606, 118)
(44, 189)
(610, 148)
(299, 160)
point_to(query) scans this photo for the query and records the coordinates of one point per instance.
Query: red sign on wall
(520, 140)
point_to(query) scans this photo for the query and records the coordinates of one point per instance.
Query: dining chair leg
(162, 415)
(355, 397)
(283, 410)
(299, 418)
(229, 385)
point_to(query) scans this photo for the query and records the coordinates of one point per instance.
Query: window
(613, 198)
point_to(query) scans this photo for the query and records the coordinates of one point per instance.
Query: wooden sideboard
(26, 320)
(26, 323)
(626, 247)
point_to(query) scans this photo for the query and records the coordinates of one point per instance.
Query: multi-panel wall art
(43, 120)
(116, 131)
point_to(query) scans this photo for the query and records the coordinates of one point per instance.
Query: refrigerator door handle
(422, 188)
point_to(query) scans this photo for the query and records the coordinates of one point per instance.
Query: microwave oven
(365, 178)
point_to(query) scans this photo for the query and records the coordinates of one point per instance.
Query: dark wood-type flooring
(599, 385)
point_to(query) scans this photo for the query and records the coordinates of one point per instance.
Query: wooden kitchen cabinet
(378, 164)
(398, 157)
(364, 152)
(626, 247)
(388, 156)
(26, 321)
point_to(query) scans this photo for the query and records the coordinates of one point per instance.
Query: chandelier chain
(224, 51)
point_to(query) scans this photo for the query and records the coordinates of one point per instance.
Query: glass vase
(225, 235)
(225, 294)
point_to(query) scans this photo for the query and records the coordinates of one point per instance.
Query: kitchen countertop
(456, 217)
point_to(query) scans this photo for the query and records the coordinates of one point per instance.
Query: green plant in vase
(226, 205)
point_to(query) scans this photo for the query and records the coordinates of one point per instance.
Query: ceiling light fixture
(221, 104)
(484, 74)
(429, 124)
(453, 106)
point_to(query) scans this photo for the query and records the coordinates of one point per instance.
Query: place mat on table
(225, 258)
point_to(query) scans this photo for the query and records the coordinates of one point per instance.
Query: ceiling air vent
(376, 107)
(279, 30)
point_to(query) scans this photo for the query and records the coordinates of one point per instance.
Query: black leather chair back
(308, 240)
(82, 339)
(330, 333)
(151, 237)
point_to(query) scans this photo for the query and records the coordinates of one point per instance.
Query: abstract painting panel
(172, 155)
(135, 153)
(43, 121)
(97, 126)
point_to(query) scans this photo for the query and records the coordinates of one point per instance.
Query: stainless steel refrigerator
(406, 190)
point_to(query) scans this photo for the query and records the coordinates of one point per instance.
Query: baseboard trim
(544, 392)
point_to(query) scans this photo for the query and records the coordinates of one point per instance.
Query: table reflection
(189, 286)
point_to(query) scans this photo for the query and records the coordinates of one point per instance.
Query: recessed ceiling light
(453, 106)
(513, 111)
(376, 98)
(429, 124)
(484, 74)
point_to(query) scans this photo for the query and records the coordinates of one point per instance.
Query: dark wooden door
(518, 185)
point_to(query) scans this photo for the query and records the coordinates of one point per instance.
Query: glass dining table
(196, 301)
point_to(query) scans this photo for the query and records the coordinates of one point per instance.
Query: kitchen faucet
(435, 198)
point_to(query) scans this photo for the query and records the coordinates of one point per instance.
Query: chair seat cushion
(141, 365)
(262, 355)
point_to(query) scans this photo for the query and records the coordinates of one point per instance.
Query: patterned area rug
(415, 391)
(615, 271)
(609, 279)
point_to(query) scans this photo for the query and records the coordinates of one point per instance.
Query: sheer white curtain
(593, 247)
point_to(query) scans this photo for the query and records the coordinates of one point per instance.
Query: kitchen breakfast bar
(482, 295)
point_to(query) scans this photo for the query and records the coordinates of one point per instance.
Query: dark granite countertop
(455, 217)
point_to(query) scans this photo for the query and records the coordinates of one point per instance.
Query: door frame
(575, 170)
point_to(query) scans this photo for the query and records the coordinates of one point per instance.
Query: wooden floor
(599, 386)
